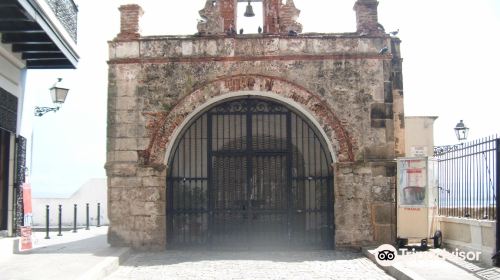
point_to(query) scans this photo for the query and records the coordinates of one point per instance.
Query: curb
(393, 270)
(108, 265)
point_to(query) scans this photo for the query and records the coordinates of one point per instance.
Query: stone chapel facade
(274, 139)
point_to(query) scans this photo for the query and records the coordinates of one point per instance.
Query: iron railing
(67, 13)
(468, 179)
(20, 179)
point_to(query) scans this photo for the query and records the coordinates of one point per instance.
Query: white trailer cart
(417, 201)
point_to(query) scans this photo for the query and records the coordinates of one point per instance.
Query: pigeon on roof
(383, 51)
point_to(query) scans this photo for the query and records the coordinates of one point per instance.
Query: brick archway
(162, 126)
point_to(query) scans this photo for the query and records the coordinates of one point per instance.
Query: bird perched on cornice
(231, 31)
(394, 33)
(241, 31)
(259, 30)
(383, 51)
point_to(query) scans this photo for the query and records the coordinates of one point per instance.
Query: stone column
(367, 17)
(228, 13)
(271, 16)
(129, 21)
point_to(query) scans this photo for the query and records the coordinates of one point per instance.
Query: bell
(249, 12)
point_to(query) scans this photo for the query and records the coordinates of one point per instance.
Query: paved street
(248, 265)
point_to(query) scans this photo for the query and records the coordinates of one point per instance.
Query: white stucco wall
(94, 191)
(419, 136)
(12, 76)
(469, 235)
(10, 70)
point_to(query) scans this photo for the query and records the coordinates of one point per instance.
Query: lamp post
(462, 132)
(58, 95)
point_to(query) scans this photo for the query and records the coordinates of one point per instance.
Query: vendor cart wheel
(438, 239)
(401, 242)
(423, 244)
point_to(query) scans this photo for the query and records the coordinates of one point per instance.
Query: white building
(34, 34)
(92, 192)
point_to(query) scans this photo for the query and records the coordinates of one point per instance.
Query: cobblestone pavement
(248, 265)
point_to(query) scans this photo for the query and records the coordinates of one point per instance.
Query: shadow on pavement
(171, 257)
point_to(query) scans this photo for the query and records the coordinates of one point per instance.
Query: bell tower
(278, 18)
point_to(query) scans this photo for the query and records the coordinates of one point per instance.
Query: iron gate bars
(467, 180)
(250, 173)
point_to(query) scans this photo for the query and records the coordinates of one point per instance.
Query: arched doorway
(249, 173)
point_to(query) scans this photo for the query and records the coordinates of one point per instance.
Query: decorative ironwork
(67, 13)
(20, 179)
(249, 105)
(8, 111)
(250, 173)
(40, 111)
(439, 150)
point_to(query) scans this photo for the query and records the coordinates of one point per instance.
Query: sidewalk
(81, 255)
(435, 264)
(86, 255)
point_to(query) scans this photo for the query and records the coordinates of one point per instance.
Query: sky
(450, 70)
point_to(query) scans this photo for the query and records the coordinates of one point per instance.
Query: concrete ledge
(107, 266)
(470, 235)
(467, 221)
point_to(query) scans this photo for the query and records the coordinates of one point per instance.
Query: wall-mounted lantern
(461, 131)
(58, 95)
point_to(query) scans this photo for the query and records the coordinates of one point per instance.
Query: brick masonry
(352, 92)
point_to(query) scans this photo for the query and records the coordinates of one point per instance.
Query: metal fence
(468, 177)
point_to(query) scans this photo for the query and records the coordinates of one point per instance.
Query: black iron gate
(469, 182)
(250, 173)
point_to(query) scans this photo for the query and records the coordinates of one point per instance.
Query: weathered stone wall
(341, 80)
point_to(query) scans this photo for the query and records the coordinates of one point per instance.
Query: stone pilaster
(271, 16)
(228, 10)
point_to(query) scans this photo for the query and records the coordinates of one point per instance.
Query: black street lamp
(58, 95)
(461, 131)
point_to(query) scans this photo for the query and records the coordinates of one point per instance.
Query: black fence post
(74, 217)
(60, 221)
(88, 220)
(497, 200)
(47, 220)
(98, 214)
